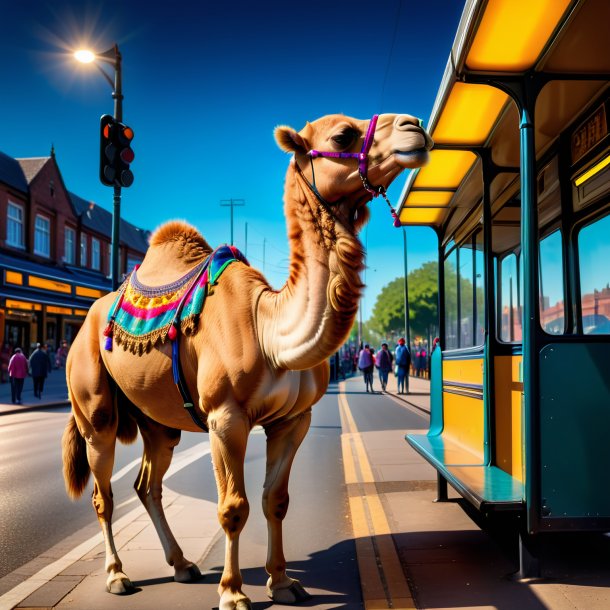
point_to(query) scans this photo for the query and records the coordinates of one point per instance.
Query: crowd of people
(15, 367)
(403, 361)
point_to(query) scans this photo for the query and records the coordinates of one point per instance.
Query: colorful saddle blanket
(141, 316)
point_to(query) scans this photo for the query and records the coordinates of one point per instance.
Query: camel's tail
(76, 466)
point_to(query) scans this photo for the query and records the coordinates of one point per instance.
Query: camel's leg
(100, 454)
(229, 429)
(95, 411)
(283, 440)
(159, 443)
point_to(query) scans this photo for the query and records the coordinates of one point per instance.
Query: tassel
(172, 333)
(397, 222)
(108, 343)
(108, 330)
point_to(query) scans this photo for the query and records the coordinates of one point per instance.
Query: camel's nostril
(404, 121)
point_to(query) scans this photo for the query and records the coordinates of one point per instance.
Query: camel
(256, 356)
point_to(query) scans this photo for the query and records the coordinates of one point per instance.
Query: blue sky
(205, 83)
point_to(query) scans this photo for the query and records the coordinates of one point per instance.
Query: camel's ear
(289, 140)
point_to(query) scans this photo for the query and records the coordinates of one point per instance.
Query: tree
(388, 316)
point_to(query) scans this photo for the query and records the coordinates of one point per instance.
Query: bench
(456, 441)
(484, 486)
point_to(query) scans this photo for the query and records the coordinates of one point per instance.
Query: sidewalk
(55, 394)
(449, 562)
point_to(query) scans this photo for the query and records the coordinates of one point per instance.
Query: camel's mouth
(411, 158)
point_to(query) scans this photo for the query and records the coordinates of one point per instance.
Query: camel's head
(328, 152)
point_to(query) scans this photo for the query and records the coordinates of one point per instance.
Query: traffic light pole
(117, 94)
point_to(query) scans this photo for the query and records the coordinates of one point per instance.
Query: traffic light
(115, 152)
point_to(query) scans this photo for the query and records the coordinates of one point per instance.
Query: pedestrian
(422, 361)
(17, 371)
(5, 357)
(366, 365)
(62, 355)
(383, 362)
(41, 367)
(403, 361)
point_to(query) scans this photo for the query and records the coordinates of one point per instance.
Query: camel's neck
(311, 317)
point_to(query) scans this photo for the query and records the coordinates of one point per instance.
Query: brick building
(54, 253)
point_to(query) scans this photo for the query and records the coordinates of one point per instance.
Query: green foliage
(388, 316)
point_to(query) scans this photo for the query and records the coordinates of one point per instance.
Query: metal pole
(232, 203)
(117, 94)
(246, 242)
(407, 326)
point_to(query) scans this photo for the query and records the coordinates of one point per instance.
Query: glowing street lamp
(113, 57)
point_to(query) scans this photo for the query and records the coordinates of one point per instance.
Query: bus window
(552, 311)
(479, 279)
(466, 278)
(451, 301)
(510, 313)
(594, 261)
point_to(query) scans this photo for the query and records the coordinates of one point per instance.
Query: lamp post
(113, 57)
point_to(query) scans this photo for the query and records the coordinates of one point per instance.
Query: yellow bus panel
(509, 438)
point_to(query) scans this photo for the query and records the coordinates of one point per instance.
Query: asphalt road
(35, 513)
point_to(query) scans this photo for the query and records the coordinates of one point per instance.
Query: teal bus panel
(575, 430)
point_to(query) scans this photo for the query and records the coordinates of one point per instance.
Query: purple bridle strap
(362, 156)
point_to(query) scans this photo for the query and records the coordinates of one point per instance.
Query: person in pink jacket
(17, 371)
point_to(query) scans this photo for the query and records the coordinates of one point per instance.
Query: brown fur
(76, 467)
(259, 356)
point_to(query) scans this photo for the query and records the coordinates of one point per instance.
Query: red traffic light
(127, 155)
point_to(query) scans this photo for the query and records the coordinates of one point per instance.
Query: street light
(113, 57)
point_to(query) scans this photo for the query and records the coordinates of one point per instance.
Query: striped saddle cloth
(142, 316)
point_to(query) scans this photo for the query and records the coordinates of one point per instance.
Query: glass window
(552, 310)
(451, 301)
(479, 286)
(69, 245)
(594, 267)
(510, 311)
(466, 277)
(42, 236)
(95, 254)
(14, 225)
(83, 250)
(132, 261)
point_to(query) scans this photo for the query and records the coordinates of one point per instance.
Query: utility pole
(264, 242)
(407, 315)
(246, 242)
(225, 203)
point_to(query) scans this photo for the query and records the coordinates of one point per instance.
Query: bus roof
(494, 38)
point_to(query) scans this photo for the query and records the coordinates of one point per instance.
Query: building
(54, 253)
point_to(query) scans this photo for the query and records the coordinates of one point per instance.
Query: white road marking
(17, 594)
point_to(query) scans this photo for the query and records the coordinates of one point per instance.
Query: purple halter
(362, 156)
(363, 163)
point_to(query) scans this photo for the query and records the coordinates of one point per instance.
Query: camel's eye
(345, 138)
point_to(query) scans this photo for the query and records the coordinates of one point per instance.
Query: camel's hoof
(189, 574)
(241, 604)
(120, 586)
(294, 594)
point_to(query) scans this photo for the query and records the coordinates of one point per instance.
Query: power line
(226, 203)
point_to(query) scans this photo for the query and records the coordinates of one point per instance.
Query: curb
(11, 410)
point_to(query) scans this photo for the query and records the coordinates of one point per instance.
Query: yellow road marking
(382, 578)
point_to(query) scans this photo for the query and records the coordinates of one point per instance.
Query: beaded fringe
(142, 344)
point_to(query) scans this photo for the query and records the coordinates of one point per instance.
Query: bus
(518, 193)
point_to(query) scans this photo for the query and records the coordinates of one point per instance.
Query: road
(36, 514)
